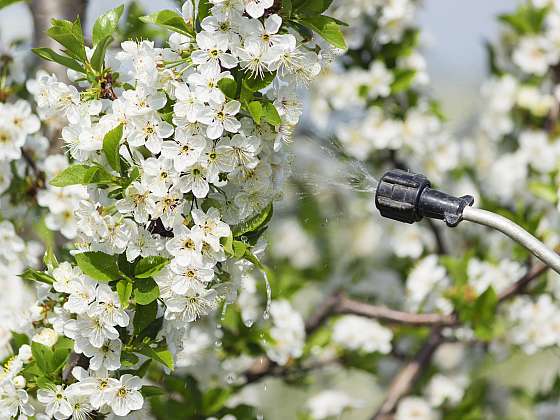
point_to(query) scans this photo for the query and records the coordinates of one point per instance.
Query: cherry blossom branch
(406, 378)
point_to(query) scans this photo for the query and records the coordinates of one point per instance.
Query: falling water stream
(266, 313)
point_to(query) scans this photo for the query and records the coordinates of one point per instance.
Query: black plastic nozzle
(407, 197)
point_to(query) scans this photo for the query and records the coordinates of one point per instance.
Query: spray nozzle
(407, 197)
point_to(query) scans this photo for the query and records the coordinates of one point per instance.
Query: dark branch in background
(520, 285)
(75, 359)
(29, 160)
(337, 304)
(266, 368)
(403, 382)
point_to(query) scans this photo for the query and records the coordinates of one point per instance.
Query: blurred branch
(520, 285)
(403, 382)
(335, 304)
(264, 367)
(349, 306)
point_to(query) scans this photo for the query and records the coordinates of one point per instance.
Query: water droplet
(266, 313)
(224, 309)
(248, 322)
(218, 343)
(230, 378)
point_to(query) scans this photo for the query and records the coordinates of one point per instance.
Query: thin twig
(264, 367)
(349, 306)
(520, 285)
(407, 376)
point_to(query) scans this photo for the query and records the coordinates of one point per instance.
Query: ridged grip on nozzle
(398, 194)
(407, 197)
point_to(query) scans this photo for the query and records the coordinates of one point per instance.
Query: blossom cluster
(175, 155)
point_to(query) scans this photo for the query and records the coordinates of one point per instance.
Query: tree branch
(338, 303)
(520, 285)
(346, 305)
(407, 376)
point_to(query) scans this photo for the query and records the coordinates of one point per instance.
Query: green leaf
(161, 355)
(144, 316)
(43, 356)
(228, 86)
(100, 176)
(17, 341)
(252, 258)
(44, 383)
(256, 110)
(403, 79)
(254, 223)
(315, 7)
(64, 343)
(270, 114)
(98, 57)
(80, 174)
(60, 356)
(34, 275)
(49, 259)
(107, 24)
(203, 10)
(328, 29)
(484, 312)
(99, 266)
(527, 19)
(111, 145)
(129, 359)
(214, 399)
(150, 266)
(146, 291)
(286, 10)
(50, 55)
(74, 174)
(227, 244)
(143, 369)
(149, 391)
(69, 35)
(124, 290)
(544, 190)
(6, 3)
(151, 331)
(255, 84)
(170, 20)
(238, 249)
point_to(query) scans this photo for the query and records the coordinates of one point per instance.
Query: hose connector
(407, 197)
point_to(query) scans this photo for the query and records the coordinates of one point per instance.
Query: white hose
(515, 232)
